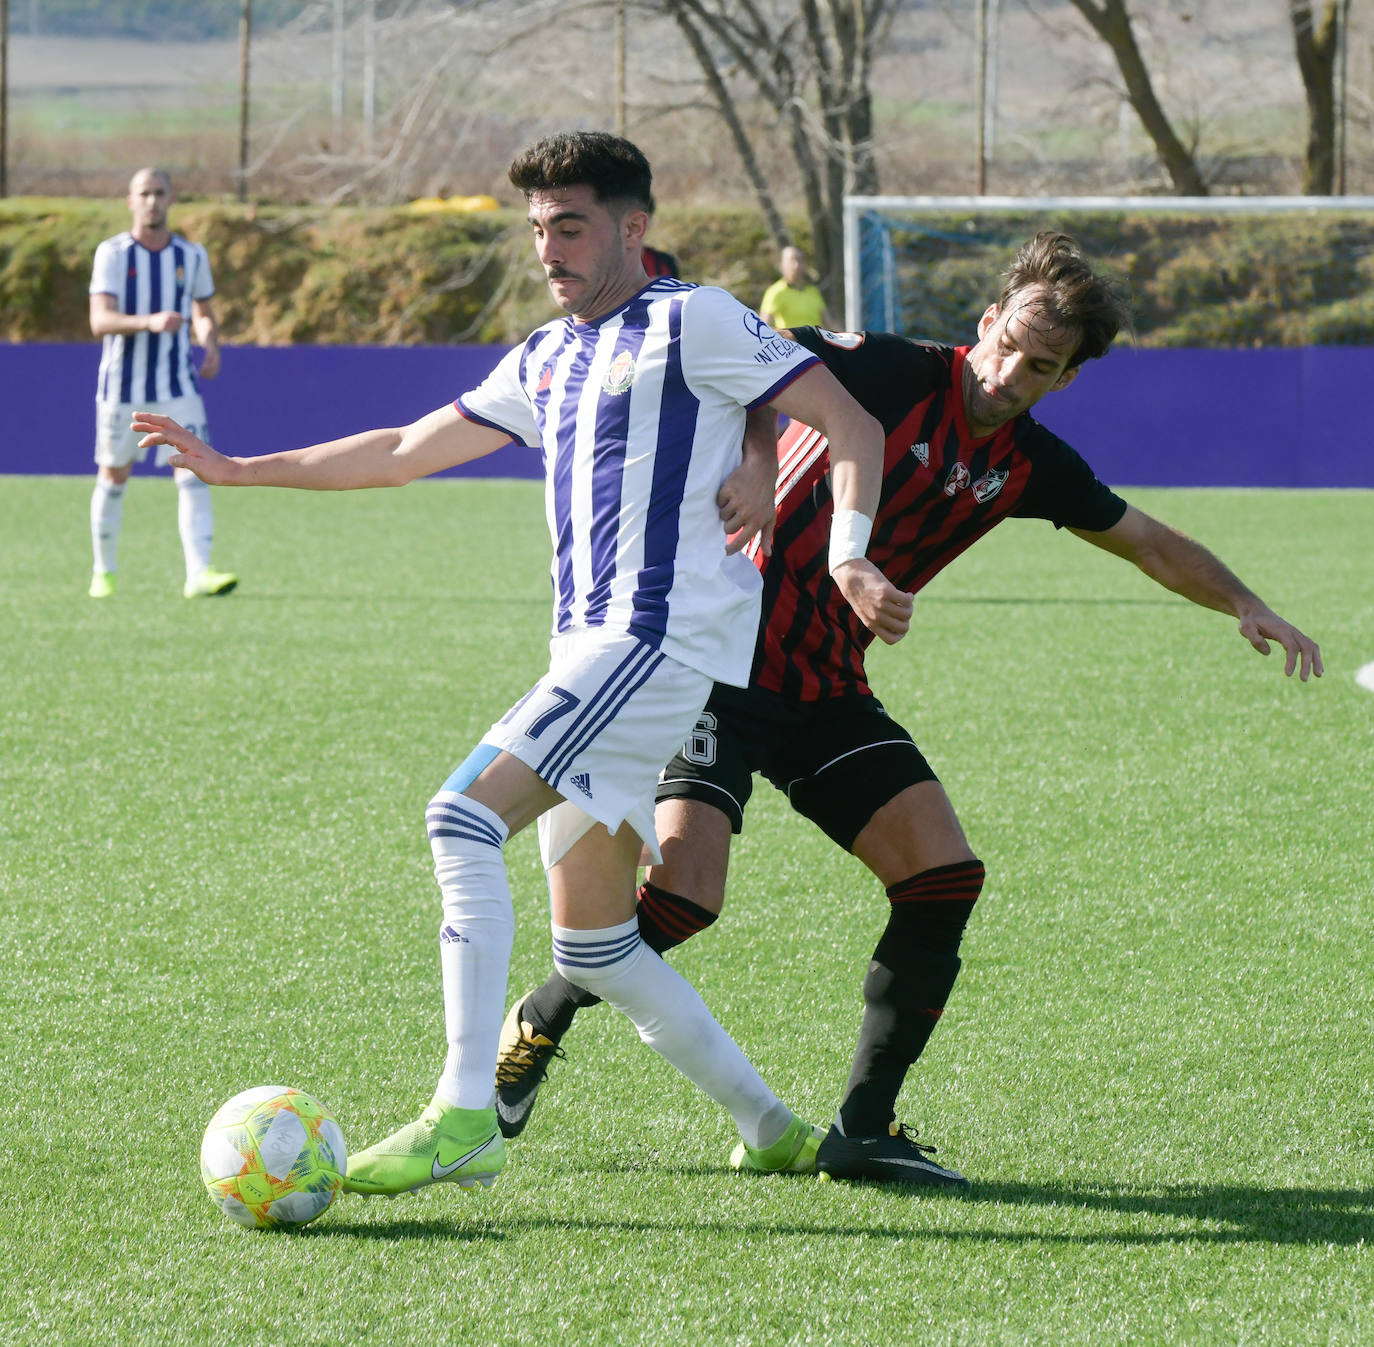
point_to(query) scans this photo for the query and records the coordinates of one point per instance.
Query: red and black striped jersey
(942, 490)
(659, 263)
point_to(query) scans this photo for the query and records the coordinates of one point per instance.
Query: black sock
(665, 920)
(550, 1009)
(908, 983)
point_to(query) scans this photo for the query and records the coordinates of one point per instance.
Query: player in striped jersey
(962, 454)
(637, 400)
(150, 295)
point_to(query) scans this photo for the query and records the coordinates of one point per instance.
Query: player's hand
(193, 454)
(166, 321)
(209, 364)
(1265, 625)
(883, 608)
(746, 504)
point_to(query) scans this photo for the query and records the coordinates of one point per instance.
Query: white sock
(107, 513)
(616, 965)
(195, 521)
(475, 941)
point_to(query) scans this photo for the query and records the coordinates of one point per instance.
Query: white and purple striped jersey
(149, 366)
(639, 417)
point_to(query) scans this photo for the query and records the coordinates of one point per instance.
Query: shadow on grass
(459, 1227)
(1210, 1213)
(1184, 1214)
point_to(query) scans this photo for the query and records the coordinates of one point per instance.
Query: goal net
(1203, 271)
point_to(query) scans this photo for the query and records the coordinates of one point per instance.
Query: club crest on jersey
(846, 341)
(922, 452)
(620, 375)
(181, 275)
(545, 379)
(989, 484)
(957, 479)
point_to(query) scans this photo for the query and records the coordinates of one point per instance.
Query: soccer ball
(273, 1156)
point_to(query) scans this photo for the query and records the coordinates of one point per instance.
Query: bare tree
(1112, 24)
(808, 62)
(1317, 45)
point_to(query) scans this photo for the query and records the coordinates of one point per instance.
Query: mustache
(559, 274)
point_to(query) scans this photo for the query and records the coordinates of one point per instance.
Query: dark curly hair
(611, 166)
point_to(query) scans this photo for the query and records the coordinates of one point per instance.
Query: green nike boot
(792, 1153)
(446, 1145)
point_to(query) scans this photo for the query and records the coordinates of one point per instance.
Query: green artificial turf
(1156, 1067)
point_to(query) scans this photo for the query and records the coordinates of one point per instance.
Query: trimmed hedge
(392, 276)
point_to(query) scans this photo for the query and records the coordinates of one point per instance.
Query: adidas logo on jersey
(922, 451)
(583, 781)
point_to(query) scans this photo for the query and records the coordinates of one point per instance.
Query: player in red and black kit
(659, 263)
(962, 454)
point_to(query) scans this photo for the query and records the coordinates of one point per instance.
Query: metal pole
(4, 98)
(982, 40)
(337, 100)
(1341, 128)
(369, 75)
(620, 67)
(245, 42)
(994, 62)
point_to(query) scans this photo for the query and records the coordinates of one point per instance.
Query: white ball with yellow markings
(273, 1156)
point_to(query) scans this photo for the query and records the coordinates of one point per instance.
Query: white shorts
(599, 727)
(116, 446)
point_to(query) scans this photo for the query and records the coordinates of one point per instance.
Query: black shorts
(838, 761)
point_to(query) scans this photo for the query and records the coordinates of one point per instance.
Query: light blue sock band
(470, 768)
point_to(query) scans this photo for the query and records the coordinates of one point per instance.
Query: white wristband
(849, 534)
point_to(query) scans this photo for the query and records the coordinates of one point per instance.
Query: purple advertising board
(265, 398)
(1140, 417)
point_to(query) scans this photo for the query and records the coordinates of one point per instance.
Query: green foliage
(344, 276)
(46, 250)
(353, 277)
(1157, 1065)
(393, 276)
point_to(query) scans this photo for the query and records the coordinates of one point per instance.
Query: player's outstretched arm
(1175, 561)
(375, 458)
(856, 478)
(747, 497)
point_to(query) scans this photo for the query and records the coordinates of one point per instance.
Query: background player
(794, 299)
(962, 454)
(637, 400)
(150, 293)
